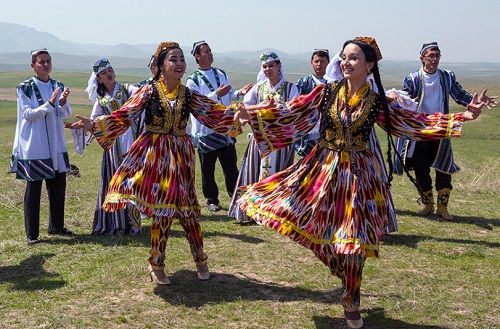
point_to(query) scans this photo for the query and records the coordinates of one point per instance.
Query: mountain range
(17, 41)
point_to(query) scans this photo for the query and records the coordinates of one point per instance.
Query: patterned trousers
(160, 230)
(349, 269)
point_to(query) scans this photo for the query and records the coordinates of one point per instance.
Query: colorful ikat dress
(158, 173)
(255, 167)
(335, 200)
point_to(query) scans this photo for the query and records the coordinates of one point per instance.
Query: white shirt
(40, 130)
(432, 101)
(252, 96)
(198, 129)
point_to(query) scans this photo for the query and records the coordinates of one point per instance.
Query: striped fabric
(413, 84)
(120, 221)
(211, 142)
(157, 176)
(319, 202)
(256, 166)
(38, 169)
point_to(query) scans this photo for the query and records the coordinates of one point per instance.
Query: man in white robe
(213, 83)
(40, 151)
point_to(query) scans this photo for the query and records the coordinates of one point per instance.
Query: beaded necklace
(356, 98)
(170, 95)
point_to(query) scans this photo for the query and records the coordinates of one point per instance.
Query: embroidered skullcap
(427, 46)
(38, 51)
(164, 46)
(372, 43)
(269, 56)
(100, 65)
(323, 50)
(97, 68)
(197, 45)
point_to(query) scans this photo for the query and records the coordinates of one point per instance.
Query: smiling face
(42, 66)
(354, 65)
(174, 65)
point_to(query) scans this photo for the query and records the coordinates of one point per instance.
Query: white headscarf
(267, 57)
(333, 72)
(97, 68)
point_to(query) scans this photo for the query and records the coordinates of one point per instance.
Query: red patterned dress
(319, 202)
(335, 200)
(158, 173)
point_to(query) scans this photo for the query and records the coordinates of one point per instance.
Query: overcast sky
(465, 30)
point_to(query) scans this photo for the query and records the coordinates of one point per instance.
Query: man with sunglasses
(40, 151)
(431, 87)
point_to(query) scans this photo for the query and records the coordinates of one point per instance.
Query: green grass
(430, 274)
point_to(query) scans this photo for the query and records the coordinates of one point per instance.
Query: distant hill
(17, 41)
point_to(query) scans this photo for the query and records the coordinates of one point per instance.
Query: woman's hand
(473, 108)
(268, 103)
(84, 123)
(241, 115)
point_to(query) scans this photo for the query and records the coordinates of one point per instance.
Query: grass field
(430, 274)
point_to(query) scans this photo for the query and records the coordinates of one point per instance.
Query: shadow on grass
(484, 223)
(142, 239)
(412, 240)
(373, 319)
(30, 275)
(187, 291)
(220, 216)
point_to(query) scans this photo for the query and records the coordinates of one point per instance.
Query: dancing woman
(335, 200)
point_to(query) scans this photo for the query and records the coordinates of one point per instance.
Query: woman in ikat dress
(335, 200)
(157, 175)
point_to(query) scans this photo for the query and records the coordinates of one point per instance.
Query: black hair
(101, 88)
(37, 53)
(320, 53)
(371, 56)
(161, 59)
(278, 62)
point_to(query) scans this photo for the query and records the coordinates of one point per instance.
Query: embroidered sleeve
(109, 127)
(420, 126)
(278, 127)
(216, 116)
